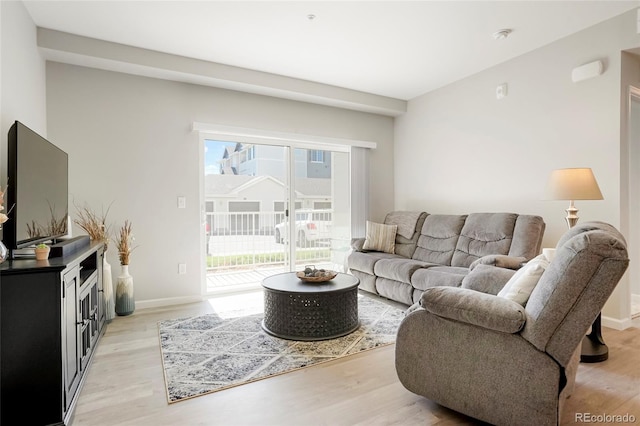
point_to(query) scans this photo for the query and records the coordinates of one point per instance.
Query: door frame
(633, 96)
(292, 141)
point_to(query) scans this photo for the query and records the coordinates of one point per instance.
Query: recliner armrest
(472, 307)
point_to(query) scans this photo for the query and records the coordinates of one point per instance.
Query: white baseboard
(635, 306)
(157, 303)
(635, 298)
(616, 324)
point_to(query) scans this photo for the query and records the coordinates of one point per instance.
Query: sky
(213, 151)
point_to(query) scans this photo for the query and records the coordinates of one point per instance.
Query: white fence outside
(248, 240)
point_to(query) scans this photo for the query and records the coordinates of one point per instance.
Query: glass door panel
(321, 193)
(246, 194)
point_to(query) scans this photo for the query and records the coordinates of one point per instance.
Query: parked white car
(311, 226)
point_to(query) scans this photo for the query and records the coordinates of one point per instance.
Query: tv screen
(37, 189)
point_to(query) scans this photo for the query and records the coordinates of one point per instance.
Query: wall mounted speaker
(592, 69)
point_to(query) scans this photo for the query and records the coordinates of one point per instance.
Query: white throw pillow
(522, 283)
(380, 237)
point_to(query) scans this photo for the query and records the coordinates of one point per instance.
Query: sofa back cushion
(527, 236)
(483, 234)
(405, 246)
(438, 238)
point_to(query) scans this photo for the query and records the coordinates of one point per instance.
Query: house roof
(220, 185)
(224, 184)
(313, 187)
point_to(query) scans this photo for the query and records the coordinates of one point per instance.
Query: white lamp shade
(573, 184)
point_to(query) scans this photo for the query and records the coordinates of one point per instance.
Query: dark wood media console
(51, 318)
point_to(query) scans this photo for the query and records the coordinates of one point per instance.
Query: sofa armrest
(499, 260)
(357, 244)
(487, 279)
(472, 307)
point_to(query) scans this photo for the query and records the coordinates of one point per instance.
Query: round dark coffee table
(298, 310)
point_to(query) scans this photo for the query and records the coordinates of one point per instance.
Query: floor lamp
(580, 184)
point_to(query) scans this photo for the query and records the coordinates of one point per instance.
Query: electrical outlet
(182, 268)
(182, 202)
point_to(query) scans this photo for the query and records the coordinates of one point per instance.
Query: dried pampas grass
(54, 227)
(124, 242)
(93, 224)
(57, 226)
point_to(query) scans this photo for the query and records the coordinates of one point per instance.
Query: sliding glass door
(270, 209)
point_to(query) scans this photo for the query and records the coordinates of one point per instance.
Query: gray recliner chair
(497, 361)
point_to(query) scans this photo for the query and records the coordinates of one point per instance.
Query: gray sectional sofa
(437, 250)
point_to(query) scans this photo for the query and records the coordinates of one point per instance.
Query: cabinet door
(101, 301)
(94, 296)
(88, 303)
(71, 335)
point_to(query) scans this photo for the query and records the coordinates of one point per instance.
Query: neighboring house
(257, 203)
(262, 160)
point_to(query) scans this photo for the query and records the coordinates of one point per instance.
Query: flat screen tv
(37, 193)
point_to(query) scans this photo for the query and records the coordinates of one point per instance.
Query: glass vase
(125, 302)
(4, 252)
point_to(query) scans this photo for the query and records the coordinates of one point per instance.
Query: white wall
(22, 76)
(130, 144)
(459, 150)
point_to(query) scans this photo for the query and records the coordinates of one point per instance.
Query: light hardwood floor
(125, 385)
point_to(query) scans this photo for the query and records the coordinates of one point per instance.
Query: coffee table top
(290, 283)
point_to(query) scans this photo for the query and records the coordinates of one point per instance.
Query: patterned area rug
(207, 353)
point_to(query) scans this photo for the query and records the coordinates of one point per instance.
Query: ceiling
(397, 49)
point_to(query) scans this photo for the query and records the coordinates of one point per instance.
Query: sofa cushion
(365, 262)
(522, 283)
(434, 276)
(438, 238)
(398, 269)
(380, 237)
(367, 281)
(406, 246)
(483, 234)
(394, 290)
(527, 236)
(405, 221)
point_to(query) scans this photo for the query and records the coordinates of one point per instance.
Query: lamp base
(593, 347)
(572, 215)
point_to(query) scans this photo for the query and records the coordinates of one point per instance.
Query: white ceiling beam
(84, 51)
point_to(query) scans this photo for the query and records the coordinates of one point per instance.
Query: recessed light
(502, 34)
(311, 16)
